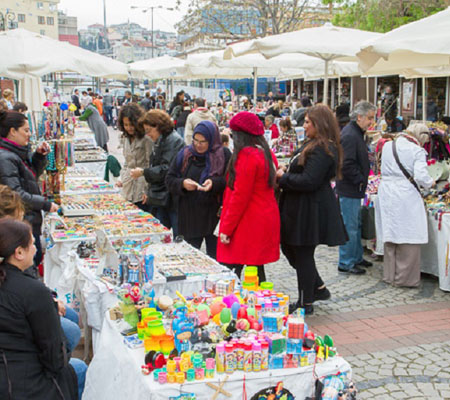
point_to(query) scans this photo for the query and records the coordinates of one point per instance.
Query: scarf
(214, 156)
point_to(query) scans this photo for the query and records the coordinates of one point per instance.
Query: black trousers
(239, 267)
(211, 244)
(301, 258)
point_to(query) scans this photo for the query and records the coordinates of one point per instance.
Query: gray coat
(97, 125)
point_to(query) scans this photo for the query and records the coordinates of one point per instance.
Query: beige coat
(137, 155)
(194, 118)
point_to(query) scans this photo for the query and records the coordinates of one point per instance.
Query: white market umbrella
(31, 92)
(423, 43)
(25, 53)
(165, 67)
(327, 43)
(255, 65)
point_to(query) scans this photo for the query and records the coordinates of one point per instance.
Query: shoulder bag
(402, 168)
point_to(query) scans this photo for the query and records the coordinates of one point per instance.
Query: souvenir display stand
(128, 382)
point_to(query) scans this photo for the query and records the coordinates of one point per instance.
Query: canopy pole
(325, 84)
(424, 99)
(339, 90)
(400, 95)
(216, 98)
(367, 88)
(255, 86)
(292, 89)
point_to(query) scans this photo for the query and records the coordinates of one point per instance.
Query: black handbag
(368, 223)
(158, 196)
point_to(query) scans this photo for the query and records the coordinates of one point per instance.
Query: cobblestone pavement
(397, 340)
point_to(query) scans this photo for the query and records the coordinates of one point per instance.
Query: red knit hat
(247, 122)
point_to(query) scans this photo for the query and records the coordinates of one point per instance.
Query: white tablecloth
(115, 373)
(435, 254)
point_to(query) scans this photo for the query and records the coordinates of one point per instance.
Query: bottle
(257, 357)
(264, 356)
(248, 357)
(230, 360)
(220, 358)
(240, 356)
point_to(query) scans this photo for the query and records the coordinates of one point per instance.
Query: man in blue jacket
(352, 187)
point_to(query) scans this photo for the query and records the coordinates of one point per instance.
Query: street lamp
(145, 9)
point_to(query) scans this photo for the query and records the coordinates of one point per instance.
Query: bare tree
(243, 19)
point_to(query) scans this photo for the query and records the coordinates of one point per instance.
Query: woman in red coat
(250, 221)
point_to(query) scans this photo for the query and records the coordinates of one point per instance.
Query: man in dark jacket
(352, 187)
(76, 102)
(146, 102)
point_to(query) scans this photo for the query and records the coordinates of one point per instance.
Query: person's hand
(144, 199)
(43, 148)
(190, 185)
(207, 186)
(280, 173)
(434, 184)
(61, 308)
(54, 208)
(224, 238)
(119, 184)
(137, 173)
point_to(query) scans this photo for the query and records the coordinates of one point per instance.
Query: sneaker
(365, 263)
(355, 270)
(322, 294)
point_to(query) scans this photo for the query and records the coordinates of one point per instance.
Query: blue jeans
(351, 253)
(69, 325)
(80, 368)
(108, 115)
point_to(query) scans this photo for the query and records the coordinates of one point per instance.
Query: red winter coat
(250, 215)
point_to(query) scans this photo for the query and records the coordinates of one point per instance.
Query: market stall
(242, 339)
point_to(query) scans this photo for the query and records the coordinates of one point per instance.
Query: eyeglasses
(199, 141)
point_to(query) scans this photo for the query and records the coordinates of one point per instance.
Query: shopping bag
(368, 223)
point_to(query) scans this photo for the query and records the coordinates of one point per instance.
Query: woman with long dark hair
(250, 221)
(308, 207)
(20, 170)
(33, 359)
(136, 151)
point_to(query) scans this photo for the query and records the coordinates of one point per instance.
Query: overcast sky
(119, 11)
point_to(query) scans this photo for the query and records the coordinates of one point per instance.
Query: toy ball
(47, 104)
(64, 106)
(235, 308)
(204, 306)
(309, 335)
(225, 315)
(216, 319)
(242, 313)
(243, 325)
(230, 299)
(216, 308)
(73, 107)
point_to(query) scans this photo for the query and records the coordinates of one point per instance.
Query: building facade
(67, 29)
(36, 16)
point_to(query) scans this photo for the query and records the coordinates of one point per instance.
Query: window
(21, 17)
(42, 32)
(41, 20)
(52, 7)
(40, 5)
(50, 21)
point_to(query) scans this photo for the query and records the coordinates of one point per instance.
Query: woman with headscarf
(403, 216)
(196, 180)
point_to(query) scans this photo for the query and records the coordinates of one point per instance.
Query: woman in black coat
(196, 180)
(33, 360)
(20, 170)
(167, 143)
(309, 209)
